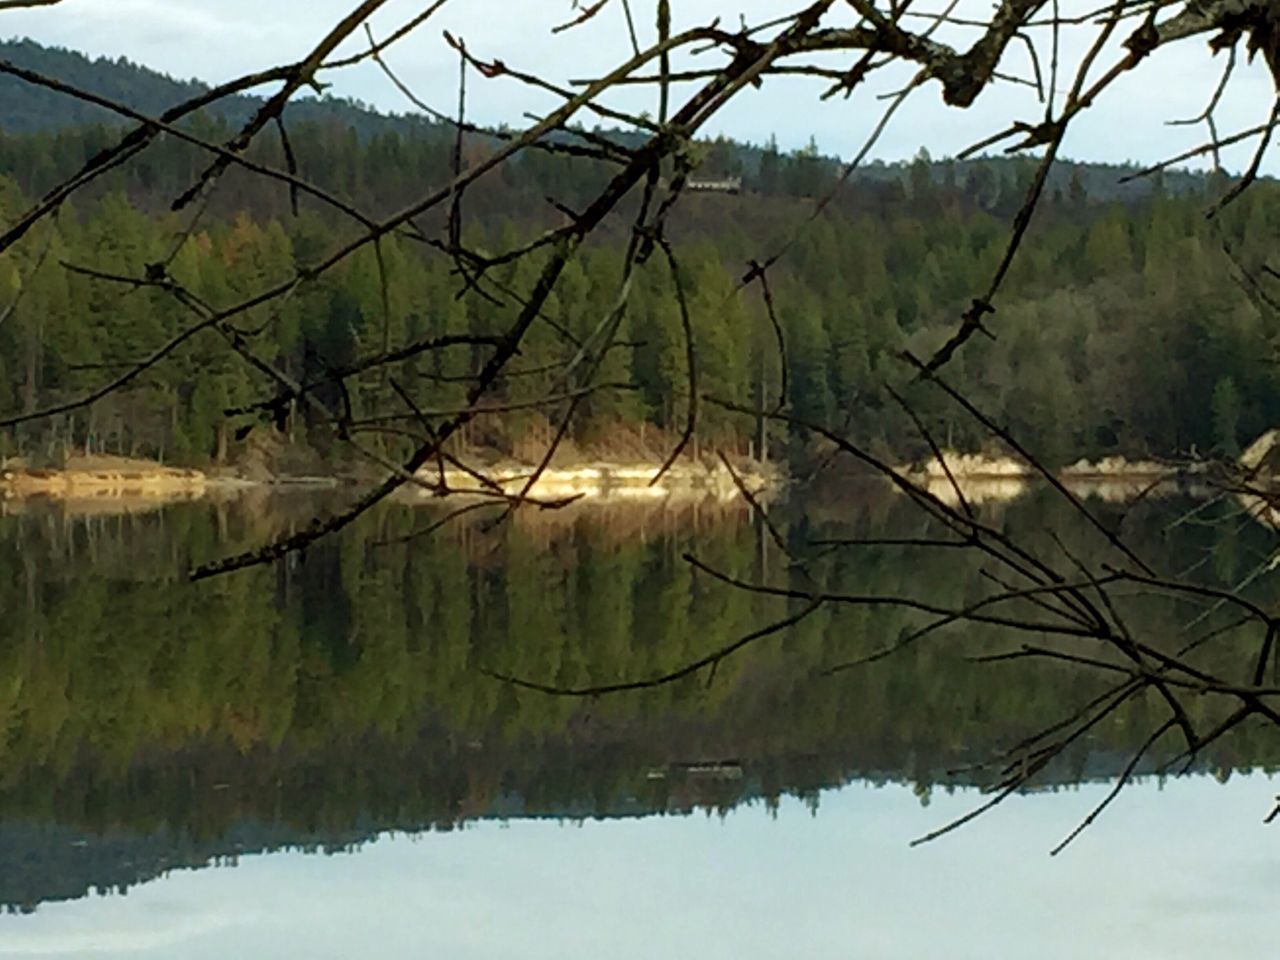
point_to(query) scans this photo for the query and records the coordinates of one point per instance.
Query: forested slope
(1122, 329)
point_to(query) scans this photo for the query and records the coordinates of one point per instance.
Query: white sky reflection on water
(1186, 872)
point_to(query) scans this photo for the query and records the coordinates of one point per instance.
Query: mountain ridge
(27, 109)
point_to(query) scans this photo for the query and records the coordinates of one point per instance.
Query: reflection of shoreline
(117, 504)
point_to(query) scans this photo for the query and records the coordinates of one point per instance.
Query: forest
(1127, 326)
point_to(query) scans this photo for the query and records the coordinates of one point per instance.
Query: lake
(315, 760)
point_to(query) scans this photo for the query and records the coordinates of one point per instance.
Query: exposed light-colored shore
(975, 466)
(984, 479)
(1109, 489)
(139, 482)
(103, 482)
(614, 481)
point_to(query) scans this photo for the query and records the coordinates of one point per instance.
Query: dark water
(310, 759)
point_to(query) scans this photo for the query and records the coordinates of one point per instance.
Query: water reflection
(151, 725)
(746, 888)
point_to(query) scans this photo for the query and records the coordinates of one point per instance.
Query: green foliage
(1118, 330)
(1226, 417)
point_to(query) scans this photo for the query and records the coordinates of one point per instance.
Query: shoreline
(603, 480)
(981, 478)
(980, 468)
(984, 479)
(24, 482)
(107, 479)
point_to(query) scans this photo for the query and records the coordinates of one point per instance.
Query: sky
(215, 40)
(843, 883)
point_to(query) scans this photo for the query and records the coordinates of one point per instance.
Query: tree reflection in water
(153, 724)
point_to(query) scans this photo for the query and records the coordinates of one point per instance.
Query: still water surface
(1186, 873)
(310, 761)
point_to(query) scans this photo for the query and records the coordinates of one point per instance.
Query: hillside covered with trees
(1125, 328)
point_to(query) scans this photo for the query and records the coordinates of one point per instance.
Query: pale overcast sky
(219, 39)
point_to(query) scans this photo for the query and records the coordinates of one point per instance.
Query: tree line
(1122, 329)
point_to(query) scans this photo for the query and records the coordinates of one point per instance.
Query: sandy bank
(976, 466)
(613, 481)
(86, 478)
(105, 479)
(996, 479)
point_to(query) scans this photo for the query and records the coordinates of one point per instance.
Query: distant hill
(27, 109)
